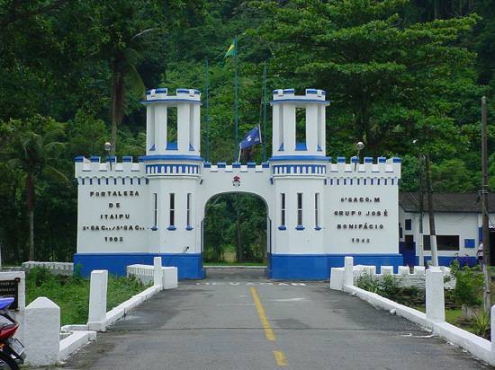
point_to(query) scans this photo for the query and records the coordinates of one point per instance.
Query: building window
(408, 225)
(444, 242)
(282, 211)
(317, 211)
(172, 212)
(188, 212)
(155, 211)
(300, 211)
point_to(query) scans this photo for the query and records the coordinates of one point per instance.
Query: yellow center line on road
(261, 313)
(280, 358)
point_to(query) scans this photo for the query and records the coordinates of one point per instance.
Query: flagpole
(236, 96)
(207, 106)
(264, 111)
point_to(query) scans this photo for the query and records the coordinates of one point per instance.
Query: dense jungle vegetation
(73, 71)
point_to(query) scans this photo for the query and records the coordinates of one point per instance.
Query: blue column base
(189, 266)
(318, 267)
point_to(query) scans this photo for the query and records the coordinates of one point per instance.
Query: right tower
(299, 170)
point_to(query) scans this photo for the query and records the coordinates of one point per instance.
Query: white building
(319, 210)
(458, 226)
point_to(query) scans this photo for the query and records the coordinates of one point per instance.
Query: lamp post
(359, 147)
(108, 148)
(484, 208)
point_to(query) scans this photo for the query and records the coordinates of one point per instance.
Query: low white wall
(146, 274)
(404, 277)
(477, 346)
(62, 268)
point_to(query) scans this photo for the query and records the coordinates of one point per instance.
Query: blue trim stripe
(318, 267)
(187, 169)
(301, 101)
(189, 266)
(300, 158)
(170, 157)
(300, 169)
(172, 100)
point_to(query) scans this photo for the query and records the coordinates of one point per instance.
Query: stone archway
(236, 228)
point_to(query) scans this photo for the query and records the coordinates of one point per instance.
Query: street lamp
(108, 148)
(359, 147)
(421, 160)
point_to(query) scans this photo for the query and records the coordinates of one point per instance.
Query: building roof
(446, 202)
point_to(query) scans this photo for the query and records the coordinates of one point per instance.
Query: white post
(42, 332)
(157, 272)
(98, 300)
(170, 278)
(492, 319)
(349, 271)
(435, 298)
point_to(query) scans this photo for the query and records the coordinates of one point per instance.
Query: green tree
(389, 81)
(33, 147)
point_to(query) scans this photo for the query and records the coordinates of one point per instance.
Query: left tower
(173, 168)
(131, 212)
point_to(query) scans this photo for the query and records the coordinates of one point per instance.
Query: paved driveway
(236, 319)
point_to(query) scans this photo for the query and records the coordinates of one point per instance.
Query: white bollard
(157, 272)
(170, 278)
(337, 278)
(435, 297)
(403, 270)
(98, 300)
(42, 332)
(492, 318)
(349, 271)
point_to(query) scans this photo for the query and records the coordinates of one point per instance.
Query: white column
(321, 128)
(98, 300)
(42, 332)
(312, 127)
(196, 117)
(289, 122)
(349, 271)
(435, 298)
(160, 128)
(275, 129)
(183, 116)
(157, 272)
(150, 128)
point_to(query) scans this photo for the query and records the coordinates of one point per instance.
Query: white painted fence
(63, 268)
(433, 319)
(146, 274)
(404, 277)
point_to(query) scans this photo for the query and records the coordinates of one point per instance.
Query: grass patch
(71, 293)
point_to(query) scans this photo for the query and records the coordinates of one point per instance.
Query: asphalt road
(236, 319)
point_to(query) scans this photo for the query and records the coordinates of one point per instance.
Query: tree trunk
(30, 208)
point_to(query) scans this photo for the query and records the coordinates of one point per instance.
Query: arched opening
(236, 230)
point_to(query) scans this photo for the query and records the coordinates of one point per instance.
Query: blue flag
(253, 137)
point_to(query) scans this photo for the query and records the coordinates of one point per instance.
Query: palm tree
(32, 147)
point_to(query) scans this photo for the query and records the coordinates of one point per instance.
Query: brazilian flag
(232, 49)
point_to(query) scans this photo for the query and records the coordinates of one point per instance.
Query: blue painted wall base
(318, 267)
(447, 260)
(189, 266)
